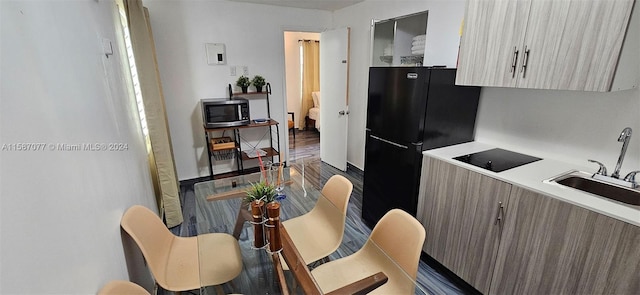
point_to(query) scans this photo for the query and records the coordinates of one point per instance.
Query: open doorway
(303, 108)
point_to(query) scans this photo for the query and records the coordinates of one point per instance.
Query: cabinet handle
(514, 62)
(500, 213)
(525, 61)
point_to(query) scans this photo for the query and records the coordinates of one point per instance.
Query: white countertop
(531, 176)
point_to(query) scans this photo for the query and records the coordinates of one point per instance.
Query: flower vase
(257, 211)
(276, 178)
(259, 88)
(244, 89)
(273, 225)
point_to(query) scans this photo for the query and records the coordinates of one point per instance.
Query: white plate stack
(417, 44)
(388, 51)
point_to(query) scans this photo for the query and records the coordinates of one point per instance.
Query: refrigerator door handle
(417, 143)
(389, 142)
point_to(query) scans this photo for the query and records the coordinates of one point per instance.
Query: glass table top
(218, 203)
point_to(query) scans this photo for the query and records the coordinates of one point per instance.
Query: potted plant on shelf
(243, 82)
(258, 82)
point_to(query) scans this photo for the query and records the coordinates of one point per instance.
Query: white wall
(60, 210)
(253, 35)
(443, 38)
(568, 125)
(292, 62)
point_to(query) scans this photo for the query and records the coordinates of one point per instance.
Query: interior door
(334, 71)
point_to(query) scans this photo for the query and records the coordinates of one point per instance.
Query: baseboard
(353, 168)
(192, 181)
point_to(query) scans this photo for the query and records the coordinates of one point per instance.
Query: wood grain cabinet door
(552, 247)
(459, 209)
(490, 47)
(573, 45)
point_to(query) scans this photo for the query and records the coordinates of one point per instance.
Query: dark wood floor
(306, 145)
(306, 148)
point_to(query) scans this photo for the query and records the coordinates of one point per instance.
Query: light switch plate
(216, 54)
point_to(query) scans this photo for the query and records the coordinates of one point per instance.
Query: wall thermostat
(215, 54)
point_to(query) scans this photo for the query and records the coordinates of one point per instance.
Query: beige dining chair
(393, 247)
(122, 288)
(319, 232)
(182, 263)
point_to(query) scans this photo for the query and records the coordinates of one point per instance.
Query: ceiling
(330, 5)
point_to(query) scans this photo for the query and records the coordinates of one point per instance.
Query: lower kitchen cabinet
(504, 239)
(460, 213)
(552, 247)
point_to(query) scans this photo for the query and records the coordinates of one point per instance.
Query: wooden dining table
(220, 208)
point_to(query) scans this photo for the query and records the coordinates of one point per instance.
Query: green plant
(243, 81)
(258, 81)
(261, 190)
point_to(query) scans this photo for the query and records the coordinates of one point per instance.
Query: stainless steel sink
(583, 181)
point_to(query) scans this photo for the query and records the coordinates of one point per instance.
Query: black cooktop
(497, 160)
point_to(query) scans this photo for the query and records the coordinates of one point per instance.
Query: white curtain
(310, 76)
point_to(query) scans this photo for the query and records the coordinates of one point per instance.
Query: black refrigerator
(410, 109)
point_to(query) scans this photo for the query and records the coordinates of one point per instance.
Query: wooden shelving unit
(234, 144)
(271, 152)
(267, 92)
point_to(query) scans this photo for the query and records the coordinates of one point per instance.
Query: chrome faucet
(624, 137)
(602, 170)
(630, 179)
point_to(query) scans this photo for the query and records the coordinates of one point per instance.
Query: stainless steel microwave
(217, 113)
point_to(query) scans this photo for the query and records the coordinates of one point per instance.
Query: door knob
(341, 113)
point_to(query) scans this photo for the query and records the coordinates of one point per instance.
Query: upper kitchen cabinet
(399, 41)
(490, 42)
(563, 44)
